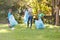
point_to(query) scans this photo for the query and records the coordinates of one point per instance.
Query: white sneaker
(12, 28)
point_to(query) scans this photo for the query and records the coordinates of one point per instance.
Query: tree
(57, 12)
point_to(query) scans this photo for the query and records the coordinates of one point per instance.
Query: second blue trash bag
(39, 24)
(26, 17)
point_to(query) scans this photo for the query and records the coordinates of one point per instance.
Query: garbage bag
(39, 24)
(12, 20)
(26, 17)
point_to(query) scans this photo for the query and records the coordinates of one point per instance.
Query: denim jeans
(29, 20)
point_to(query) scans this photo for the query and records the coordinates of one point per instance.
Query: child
(11, 20)
(39, 23)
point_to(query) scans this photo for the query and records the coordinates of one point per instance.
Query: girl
(39, 23)
(11, 20)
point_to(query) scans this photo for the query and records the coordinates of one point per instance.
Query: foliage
(42, 5)
(19, 5)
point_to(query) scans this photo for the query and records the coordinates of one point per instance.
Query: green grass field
(23, 33)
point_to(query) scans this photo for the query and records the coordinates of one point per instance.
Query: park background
(51, 20)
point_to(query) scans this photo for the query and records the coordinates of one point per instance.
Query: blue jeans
(29, 20)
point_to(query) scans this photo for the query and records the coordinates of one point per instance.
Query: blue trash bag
(12, 20)
(26, 17)
(39, 24)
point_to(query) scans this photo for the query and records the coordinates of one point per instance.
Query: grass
(23, 33)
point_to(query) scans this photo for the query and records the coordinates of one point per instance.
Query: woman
(39, 23)
(11, 19)
(29, 23)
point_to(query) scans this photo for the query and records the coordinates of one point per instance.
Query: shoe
(12, 28)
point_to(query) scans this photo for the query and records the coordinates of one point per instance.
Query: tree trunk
(52, 7)
(57, 19)
(57, 12)
(57, 16)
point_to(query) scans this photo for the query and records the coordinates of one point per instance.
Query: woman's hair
(29, 6)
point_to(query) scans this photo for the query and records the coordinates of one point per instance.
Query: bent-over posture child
(11, 20)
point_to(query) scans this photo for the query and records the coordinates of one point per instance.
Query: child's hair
(10, 10)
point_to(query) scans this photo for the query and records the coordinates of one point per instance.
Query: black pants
(29, 20)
